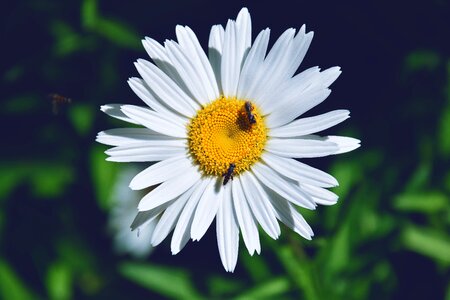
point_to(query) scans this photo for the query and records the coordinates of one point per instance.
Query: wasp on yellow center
(229, 174)
(249, 110)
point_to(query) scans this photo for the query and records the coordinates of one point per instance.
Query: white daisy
(232, 112)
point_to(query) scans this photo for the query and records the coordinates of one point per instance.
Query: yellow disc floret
(222, 133)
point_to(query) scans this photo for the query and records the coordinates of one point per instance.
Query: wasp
(248, 110)
(57, 101)
(229, 174)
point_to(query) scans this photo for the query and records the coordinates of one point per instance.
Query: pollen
(221, 134)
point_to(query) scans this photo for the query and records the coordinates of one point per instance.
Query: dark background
(387, 238)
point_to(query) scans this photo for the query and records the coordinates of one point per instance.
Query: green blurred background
(387, 238)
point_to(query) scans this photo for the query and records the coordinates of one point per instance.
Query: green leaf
(428, 242)
(59, 281)
(447, 87)
(11, 286)
(81, 260)
(420, 176)
(104, 174)
(347, 173)
(426, 202)
(49, 181)
(339, 249)
(219, 286)
(271, 289)
(21, 104)
(89, 13)
(447, 182)
(13, 74)
(444, 131)
(82, 117)
(300, 271)
(422, 59)
(447, 294)
(256, 266)
(11, 177)
(383, 272)
(67, 41)
(75, 254)
(168, 282)
(118, 32)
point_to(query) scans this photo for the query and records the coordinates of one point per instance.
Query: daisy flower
(224, 133)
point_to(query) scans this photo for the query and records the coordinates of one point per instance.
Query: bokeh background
(388, 236)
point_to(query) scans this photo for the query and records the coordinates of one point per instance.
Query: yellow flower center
(222, 133)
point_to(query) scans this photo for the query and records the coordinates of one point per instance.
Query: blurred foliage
(387, 238)
(167, 281)
(11, 285)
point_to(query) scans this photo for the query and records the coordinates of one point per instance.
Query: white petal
(320, 195)
(154, 150)
(345, 144)
(278, 51)
(159, 56)
(263, 82)
(206, 209)
(310, 125)
(237, 42)
(292, 90)
(155, 121)
(298, 95)
(166, 89)
(190, 44)
(143, 218)
(260, 205)
(297, 52)
(301, 147)
(296, 106)
(114, 111)
(286, 59)
(227, 231)
(216, 39)
(188, 70)
(244, 32)
(215, 46)
(170, 217)
(253, 63)
(141, 89)
(230, 65)
(300, 46)
(170, 189)
(330, 75)
(181, 234)
(161, 172)
(126, 136)
(245, 218)
(298, 171)
(287, 214)
(285, 187)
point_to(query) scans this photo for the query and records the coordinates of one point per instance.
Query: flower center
(227, 131)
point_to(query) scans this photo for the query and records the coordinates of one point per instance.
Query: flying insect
(58, 101)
